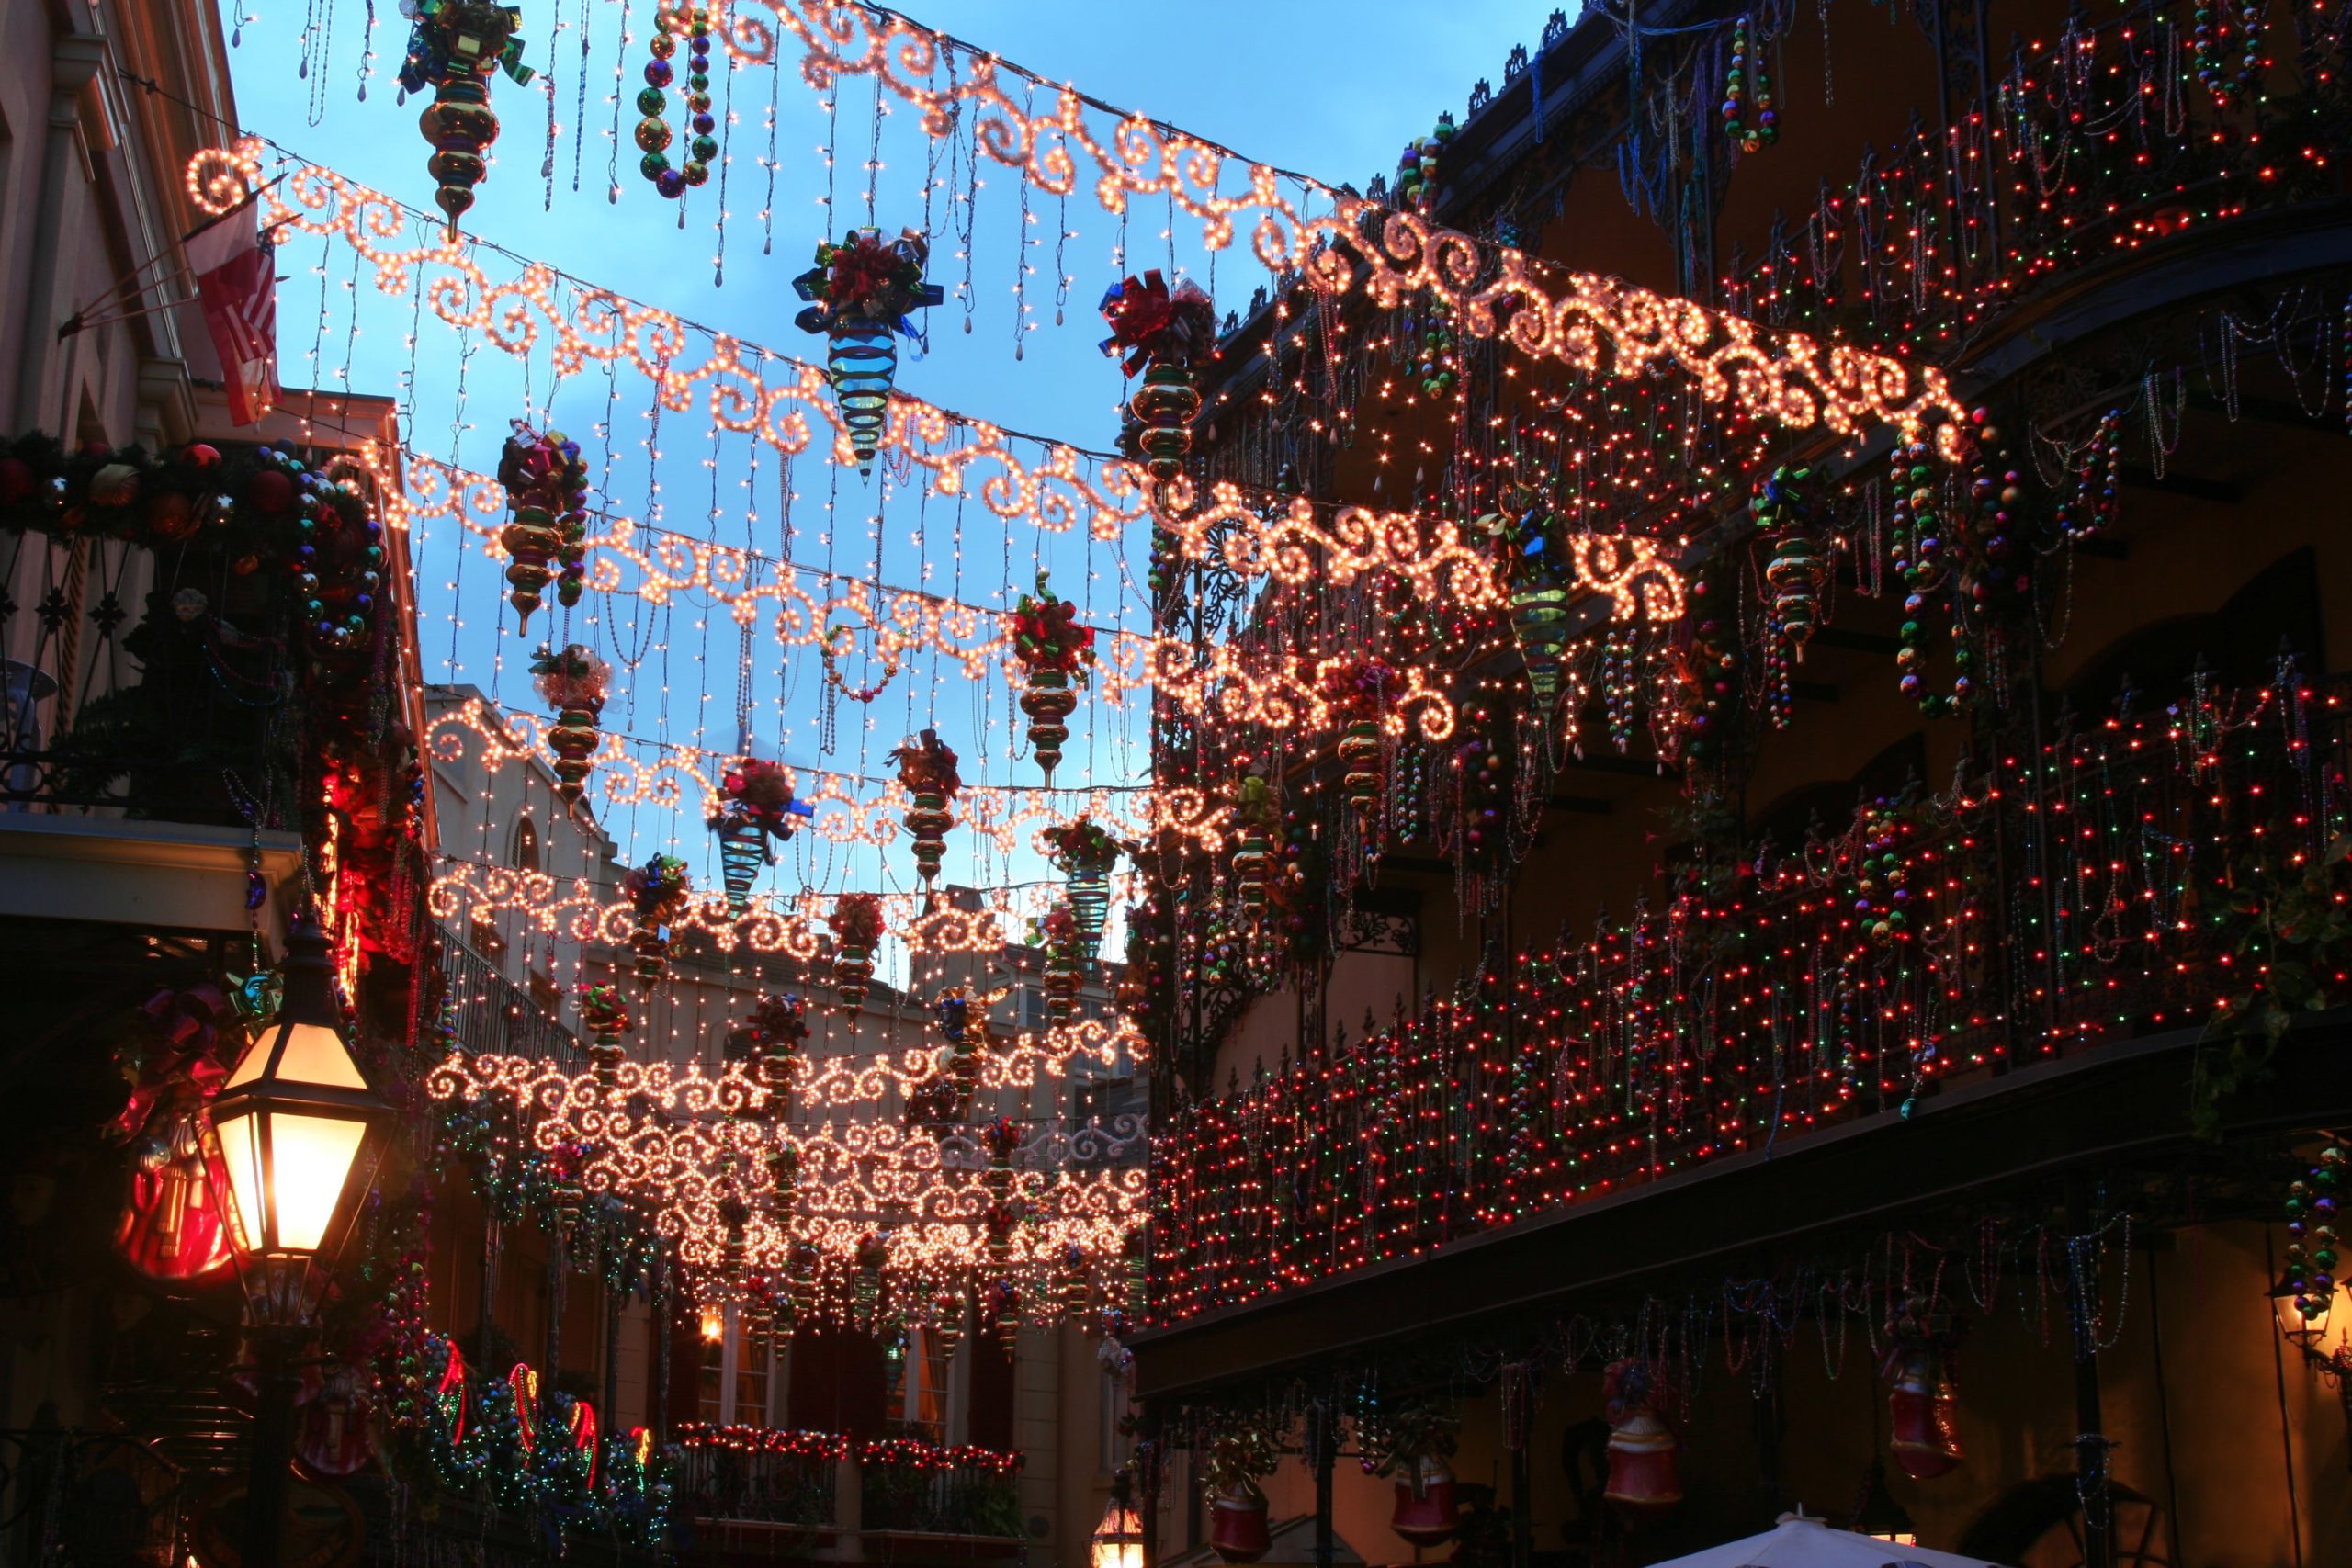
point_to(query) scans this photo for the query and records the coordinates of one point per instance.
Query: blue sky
(1332, 89)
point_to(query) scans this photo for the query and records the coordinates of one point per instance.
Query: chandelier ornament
(574, 683)
(454, 48)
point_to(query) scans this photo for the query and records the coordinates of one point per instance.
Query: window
(927, 1368)
(732, 1386)
(1103, 1099)
(526, 845)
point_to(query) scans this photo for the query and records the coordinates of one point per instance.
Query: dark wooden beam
(2267, 410)
(1881, 643)
(2222, 493)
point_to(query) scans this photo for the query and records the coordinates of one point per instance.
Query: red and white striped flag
(236, 282)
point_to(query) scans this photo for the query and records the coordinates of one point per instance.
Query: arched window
(526, 845)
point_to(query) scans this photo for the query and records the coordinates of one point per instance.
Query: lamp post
(1118, 1540)
(298, 1130)
(1878, 1515)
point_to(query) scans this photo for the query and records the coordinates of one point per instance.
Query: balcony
(182, 711)
(490, 1014)
(2070, 916)
(753, 1494)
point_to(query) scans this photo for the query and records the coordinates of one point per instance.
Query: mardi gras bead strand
(2311, 1213)
(2097, 485)
(1743, 82)
(653, 129)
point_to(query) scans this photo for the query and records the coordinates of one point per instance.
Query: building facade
(1835, 933)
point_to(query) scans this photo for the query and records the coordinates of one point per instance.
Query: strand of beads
(2206, 53)
(654, 104)
(1879, 873)
(2092, 505)
(2347, 360)
(2311, 1211)
(1918, 551)
(2250, 62)
(1744, 83)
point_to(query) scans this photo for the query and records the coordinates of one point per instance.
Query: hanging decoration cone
(658, 890)
(857, 923)
(1162, 334)
(605, 1015)
(756, 812)
(1787, 508)
(1524, 538)
(574, 682)
(862, 289)
(1053, 651)
(546, 490)
(454, 48)
(927, 772)
(1085, 853)
(947, 1323)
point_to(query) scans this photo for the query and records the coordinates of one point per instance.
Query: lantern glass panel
(312, 1155)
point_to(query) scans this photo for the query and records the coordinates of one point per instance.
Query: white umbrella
(1800, 1542)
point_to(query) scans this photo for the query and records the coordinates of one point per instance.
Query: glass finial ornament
(1163, 334)
(1787, 508)
(783, 1178)
(657, 891)
(604, 1012)
(947, 1323)
(1259, 818)
(1358, 691)
(574, 682)
(861, 290)
(857, 923)
(1085, 853)
(772, 1038)
(1053, 651)
(927, 772)
(1524, 536)
(1004, 1311)
(652, 103)
(455, 47)
(1065, 972)
(546, 490)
